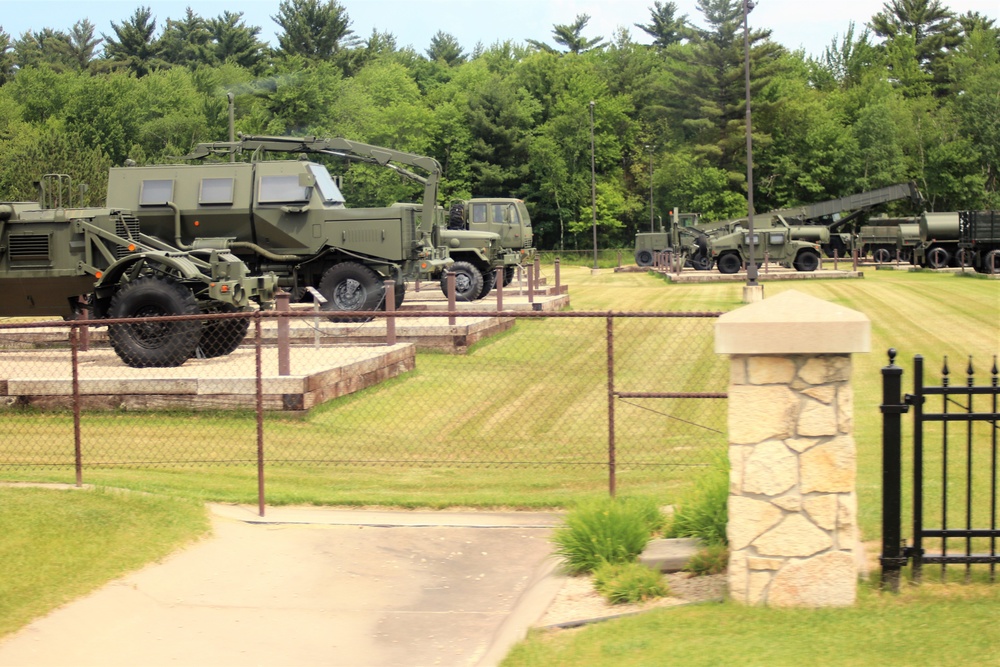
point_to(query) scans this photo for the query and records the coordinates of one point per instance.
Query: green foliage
(624, 583)
(703, 513)
(605, 531)
(712, 559)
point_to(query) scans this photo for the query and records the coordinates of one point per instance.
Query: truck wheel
(729, 263)
(701, 263)
(222, 337)
(352, 287)
(991, 263)
(938, 258)
(400, 290)
(468, 281)
(964, 258)
(508, 275)
(882, 256)
(807, 260)
(489, 280)
(644, 258)
(154, 344)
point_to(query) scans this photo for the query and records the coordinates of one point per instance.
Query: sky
(805, 24)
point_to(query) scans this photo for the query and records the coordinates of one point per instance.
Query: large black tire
(964, 258)
(489, 280)
(701, 263)
(222, 337)
(400, 293)
(456, 216)
(644, 258)
(938, 258)
(991, 263)
(350, 286)
(154, 344)
(882, 256)
(468, 281)
(807, 260)
(729, 262)
(508, 275)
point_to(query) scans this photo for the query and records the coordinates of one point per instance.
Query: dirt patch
(578, 601)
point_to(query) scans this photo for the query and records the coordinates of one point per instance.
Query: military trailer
(289, 217)
(980, 239)
(52, 254)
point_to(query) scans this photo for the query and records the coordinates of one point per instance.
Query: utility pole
(593, 183)
(752, 291)
(651, 149)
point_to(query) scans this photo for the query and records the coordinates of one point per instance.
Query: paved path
(314, 586)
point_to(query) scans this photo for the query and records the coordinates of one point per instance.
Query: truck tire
(730, 262)
(701, 263)
(991, 263)
(807, 260)
(350, 286)
(964, 258)
(400, 293)
(222, 337)
(508, 275)
(644, 258)
(881, 256)
(468, 281)
(489, 280)
(938, 258)
(154, 344)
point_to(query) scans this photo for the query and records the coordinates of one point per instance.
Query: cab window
(327, 187)
(216, 191)
(156, 192)
(282, 190)
(776, 238)
(479, 212)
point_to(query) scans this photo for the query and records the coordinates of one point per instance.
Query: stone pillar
(792, 501)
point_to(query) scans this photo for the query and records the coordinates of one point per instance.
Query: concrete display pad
(43, 379)
(772, 274)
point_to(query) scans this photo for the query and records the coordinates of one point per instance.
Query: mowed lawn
(480, 399)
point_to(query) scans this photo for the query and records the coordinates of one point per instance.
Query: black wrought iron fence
(472, 388)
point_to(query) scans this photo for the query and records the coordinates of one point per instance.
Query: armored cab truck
(289, 217)
(52, 254)
(772, 239)
(507, 218)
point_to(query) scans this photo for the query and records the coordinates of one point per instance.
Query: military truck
(52, 254)
(772, 238)
(508, 218)
(289, 217)
(980, 239)
(679, 232)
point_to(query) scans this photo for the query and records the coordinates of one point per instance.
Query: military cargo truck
(678, 233)
(980, 238)
(52, 254)
(508, 218)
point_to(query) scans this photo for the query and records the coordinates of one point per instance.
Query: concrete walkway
(315, 586)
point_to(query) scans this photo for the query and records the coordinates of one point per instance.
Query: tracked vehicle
(52, 254)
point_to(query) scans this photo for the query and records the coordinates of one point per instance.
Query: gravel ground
(577, 600)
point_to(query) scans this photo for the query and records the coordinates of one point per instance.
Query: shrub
(621, 583)
(703, 514)
(713, 559)
(605, 531)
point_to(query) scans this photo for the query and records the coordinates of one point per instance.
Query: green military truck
(52, 254)
(508, 218)
(773, 239)
(680, 235)
(980, 239)
(289, 217)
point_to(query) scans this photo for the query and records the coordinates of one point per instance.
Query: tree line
(907, 94)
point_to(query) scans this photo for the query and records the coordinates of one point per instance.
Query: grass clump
(608, 530)
(622, 583)
(711, 559)
(703, 514)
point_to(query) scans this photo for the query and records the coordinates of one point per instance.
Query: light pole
(651, 149)
(593, 182)
(748, 5)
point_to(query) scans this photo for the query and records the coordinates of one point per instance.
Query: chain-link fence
(564, 391)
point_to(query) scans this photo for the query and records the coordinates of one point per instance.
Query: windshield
(328, 190)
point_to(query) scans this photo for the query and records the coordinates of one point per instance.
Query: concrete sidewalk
(315, 586)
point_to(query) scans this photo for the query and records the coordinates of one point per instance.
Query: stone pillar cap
(792, 323)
